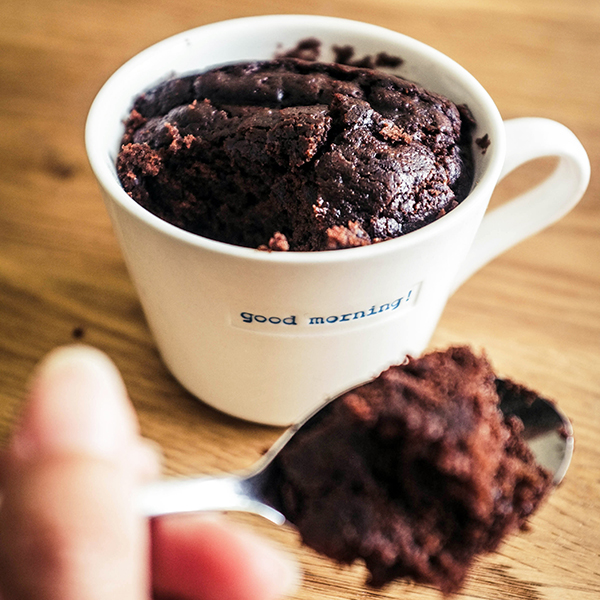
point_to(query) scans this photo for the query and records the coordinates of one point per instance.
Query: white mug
(268, 336)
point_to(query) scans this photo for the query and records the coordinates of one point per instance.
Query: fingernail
(77, 403)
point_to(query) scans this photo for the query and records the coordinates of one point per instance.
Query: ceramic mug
(268, 336)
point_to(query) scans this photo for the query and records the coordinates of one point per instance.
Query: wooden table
(535, 310)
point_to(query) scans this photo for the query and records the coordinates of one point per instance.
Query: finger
(77, 403)
(68, 525)
(200, 558)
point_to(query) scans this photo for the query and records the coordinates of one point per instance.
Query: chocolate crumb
(307, 49)
(310, 49)
(484, 143)
(343, 54)
(59, 168)
(383, 59)
(78, 332)
(279, 242)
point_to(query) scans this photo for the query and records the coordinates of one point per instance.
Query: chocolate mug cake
(296, 155)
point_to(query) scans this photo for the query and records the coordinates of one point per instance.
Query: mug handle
(536, 209)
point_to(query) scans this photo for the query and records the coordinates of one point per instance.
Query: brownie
(296, 155)
(416, 473)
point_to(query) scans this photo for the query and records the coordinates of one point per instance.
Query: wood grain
(535, 310)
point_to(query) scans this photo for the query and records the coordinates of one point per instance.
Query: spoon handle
(202, 494)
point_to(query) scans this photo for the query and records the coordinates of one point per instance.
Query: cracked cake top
(296, 155)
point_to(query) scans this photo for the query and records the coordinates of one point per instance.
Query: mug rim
(112, 187)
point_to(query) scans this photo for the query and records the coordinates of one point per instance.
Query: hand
(69, 529)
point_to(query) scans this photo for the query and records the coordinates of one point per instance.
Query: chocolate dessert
(297, 155)
(415, 473)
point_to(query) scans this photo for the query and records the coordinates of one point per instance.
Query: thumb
(68, 524)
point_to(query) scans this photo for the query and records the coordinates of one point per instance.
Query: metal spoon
(547, 431)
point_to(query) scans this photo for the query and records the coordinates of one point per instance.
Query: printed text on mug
(313, 321)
